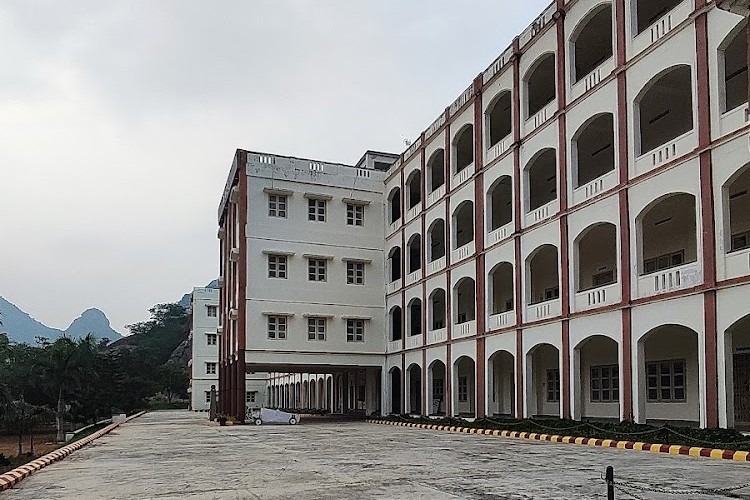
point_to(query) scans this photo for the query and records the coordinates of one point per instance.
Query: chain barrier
(627, 487)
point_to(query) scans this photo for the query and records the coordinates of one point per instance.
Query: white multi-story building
(570, 237)
(204, 358)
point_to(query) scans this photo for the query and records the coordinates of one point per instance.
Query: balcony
(666, 152)
(435, 336)
(593, 188)
(436, 265)
(498, 149)
(541, 213)
(393, 286)
(413, 212)
(598, 297)
(543, 310)
(499, 234)
(412, 278)
(413, 341)
(737, 263)
(676, 278)
(393, 226)
(466, 329)
(659, 28)
(734, 120)
(502, 320)
(463, 252)
(393, 346)
(591, 80)
(534, 122)
(463, 175)
(434, 196)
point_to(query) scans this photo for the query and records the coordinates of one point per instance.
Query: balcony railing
(394, 346)
(462, 252)
(737, 263)
(393, 286)
(413, 277)
(540, 117)
(499, 234)
(435, 336)
(598, 297)
(541, 213)
(463, 175)
(436, 265)
(465, 329)
(436, 195)
(676, 278)
(413, 211)
(543, 310)
(593, 188)
(661, 27)
(501, 320)
(592, 79)
(498, 149)
(413, 341)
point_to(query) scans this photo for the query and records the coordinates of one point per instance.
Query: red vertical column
(242, 215)
(707, 214)
(626, 381)
(519, 266)
(425, 410)
(563, 190)
(448, 292)
(479, 247)
(402, 293)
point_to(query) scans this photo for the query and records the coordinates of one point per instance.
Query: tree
(173, 380)
(65, 363)
(21, 417)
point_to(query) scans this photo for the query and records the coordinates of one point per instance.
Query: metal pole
(610, 477)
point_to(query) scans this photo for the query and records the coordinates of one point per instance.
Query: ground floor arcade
(651, 363)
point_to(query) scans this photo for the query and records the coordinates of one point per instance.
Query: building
(204, 358)
(571, 236)
(302, 276)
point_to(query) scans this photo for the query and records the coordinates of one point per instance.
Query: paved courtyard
(180, 455)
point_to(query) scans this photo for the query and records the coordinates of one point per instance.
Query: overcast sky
(118, 122)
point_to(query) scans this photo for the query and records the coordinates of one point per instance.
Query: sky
(119, 121)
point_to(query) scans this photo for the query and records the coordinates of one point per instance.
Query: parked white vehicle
(269, 416)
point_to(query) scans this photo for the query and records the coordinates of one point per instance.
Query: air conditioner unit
(234, 255)
(234, 194)
(220, 330)
(221, 233)
(233, 313)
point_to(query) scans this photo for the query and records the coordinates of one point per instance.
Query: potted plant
(231, 420)
(222, 419)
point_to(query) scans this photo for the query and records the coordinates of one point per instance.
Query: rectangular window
(552, 293)
(355, 273)
(740, 241)
(437, 389)
(211, 311)
(211, 338)
(603, 278)
(251, 396)
(316, 210)
(605, 384)
(355, 330)
(316, 328)
(463, 389)
(277, 327)
(277, 266)
(316, 269)
(553, 386)
(208, 396)
(276, 205)
(665, 381)
(663, 262)
(355, 214)
(210, 368)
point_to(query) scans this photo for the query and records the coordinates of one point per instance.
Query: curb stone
(13, 477)
(693, 451)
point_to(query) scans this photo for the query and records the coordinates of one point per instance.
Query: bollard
(610, 477)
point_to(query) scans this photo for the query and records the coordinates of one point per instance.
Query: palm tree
(65, 364)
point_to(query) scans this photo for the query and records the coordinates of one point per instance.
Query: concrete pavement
(169, 455)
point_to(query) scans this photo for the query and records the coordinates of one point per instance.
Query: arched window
(499, 118)
(414, 188)
(737, 196)
(394, 204)
(501, 288)
(540, 84)
(594, 149)
(463, 222)
(463, 147)
(437, 309)
(667, 230)
(465, 301)
(664, 108)
(733, 68)
(415, 317)
(541, 173)
(436, 170)
(395, 323)
(592, 41)
(500, 202)
(596, 252)
(415, 253)
(394, 263)
(647, 12)
(436, 240)
(543, 275)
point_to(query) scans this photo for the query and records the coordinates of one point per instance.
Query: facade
(204, 358)
(302, 275)
(571, 236)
